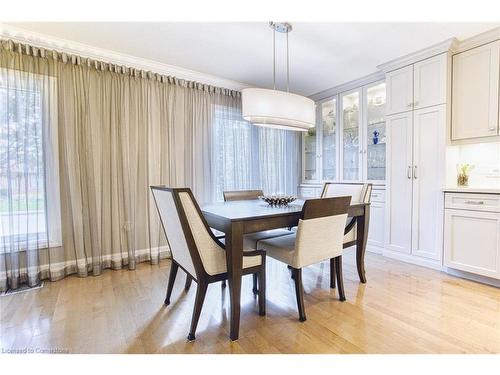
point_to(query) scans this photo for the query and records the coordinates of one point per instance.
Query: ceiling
(322, 55)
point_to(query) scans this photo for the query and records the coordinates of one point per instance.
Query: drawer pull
(474, 202)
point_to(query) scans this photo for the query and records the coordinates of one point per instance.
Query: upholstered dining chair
(319, 237)
(197, 251)
(250, 240)
(360, 192)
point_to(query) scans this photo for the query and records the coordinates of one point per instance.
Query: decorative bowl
(278, 200)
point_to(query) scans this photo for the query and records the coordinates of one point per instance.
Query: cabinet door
(399, 90)
(475, 92)
(329, 139)
(429, 129)
(376, 227)
(399, 179)
(472, 241)
(430, 81)
(350, 136)
(375, 138)
(310, 156)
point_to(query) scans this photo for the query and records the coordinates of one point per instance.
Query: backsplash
(486, 160)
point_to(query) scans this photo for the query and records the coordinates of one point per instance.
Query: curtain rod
(99, 65)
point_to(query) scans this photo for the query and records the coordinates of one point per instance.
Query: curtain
(251, 157)
(81, 142)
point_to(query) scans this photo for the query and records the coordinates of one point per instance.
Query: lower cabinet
(472, 233)
(377, 221)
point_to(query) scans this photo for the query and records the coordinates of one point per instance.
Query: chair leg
(340, 279)
(254, 289)
(189, 279)
(201, 291)
(171, 279)
(223, 284)
(299, 292)
(332, 273)
(262, 291)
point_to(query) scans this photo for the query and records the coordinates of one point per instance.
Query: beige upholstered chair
(250, 240)
(196, 250)
(360, 192)
(319, 237)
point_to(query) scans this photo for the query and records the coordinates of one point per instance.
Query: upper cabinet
(348, 142)
(399, 90)
(475, 92)
(416, 86)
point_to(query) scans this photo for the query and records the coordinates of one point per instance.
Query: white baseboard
(429, 263)
(374, 249)
(470, 276)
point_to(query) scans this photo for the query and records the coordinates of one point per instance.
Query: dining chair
(250, 240)
(319, 237)
(197, 251)
(360, 192)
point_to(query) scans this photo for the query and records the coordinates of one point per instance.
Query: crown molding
(96, 53)
(449, 45)
(366, 80)
(479, 39)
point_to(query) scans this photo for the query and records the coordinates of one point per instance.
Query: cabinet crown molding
(479, 39)
(449, 45)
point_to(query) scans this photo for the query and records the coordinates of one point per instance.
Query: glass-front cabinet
(348, 142)
(329, 139)
(351, 150)
(375, 134)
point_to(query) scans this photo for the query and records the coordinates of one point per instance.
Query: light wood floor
(402, 309)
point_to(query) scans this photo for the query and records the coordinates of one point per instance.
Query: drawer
(474, 202)
(378, 195)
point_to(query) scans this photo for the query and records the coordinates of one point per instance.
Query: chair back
(360, 192)
(320, 232)
(192, 243)
(242, 195)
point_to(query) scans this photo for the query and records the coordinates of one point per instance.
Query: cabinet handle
(416, 103)
(409, 172)
(415, 172)
(474, 202)
(409, 105)
(492, 128)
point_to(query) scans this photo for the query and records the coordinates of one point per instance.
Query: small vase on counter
(463, 171)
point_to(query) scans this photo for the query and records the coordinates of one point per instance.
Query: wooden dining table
(237, 218)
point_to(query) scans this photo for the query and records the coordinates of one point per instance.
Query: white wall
(484, 156)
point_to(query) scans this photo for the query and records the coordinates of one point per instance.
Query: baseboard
(407, 258)
(470, 276)
(374, 249)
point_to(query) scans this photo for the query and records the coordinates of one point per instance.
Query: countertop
(472, 190)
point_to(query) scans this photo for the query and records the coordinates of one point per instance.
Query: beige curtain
(117, 131)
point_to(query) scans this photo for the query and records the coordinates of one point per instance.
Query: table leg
(234, 258)
(361, 239)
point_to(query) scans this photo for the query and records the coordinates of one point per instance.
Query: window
(250, 157)
(29, 181)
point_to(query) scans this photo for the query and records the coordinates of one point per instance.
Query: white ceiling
(322, 55)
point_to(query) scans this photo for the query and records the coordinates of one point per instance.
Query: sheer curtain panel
(81, 142)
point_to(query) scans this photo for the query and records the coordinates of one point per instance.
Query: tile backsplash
(486, 160)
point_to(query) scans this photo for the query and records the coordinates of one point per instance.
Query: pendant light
(274, 108)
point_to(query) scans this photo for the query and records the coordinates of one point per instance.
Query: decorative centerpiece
(463, 171)
(278, 200)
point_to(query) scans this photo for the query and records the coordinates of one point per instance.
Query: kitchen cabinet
(475, 93)
(349, 140)
(420, 85)
(415, 176)
(377, 214)
(472, 233)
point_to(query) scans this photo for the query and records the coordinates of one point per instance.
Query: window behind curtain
(29, 202)
(250, 157)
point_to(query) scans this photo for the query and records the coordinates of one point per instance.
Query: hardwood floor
(402, 309)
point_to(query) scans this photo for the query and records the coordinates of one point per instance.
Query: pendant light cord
(287, 65)
(274, 59)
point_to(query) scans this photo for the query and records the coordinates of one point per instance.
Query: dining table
(237, 218)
